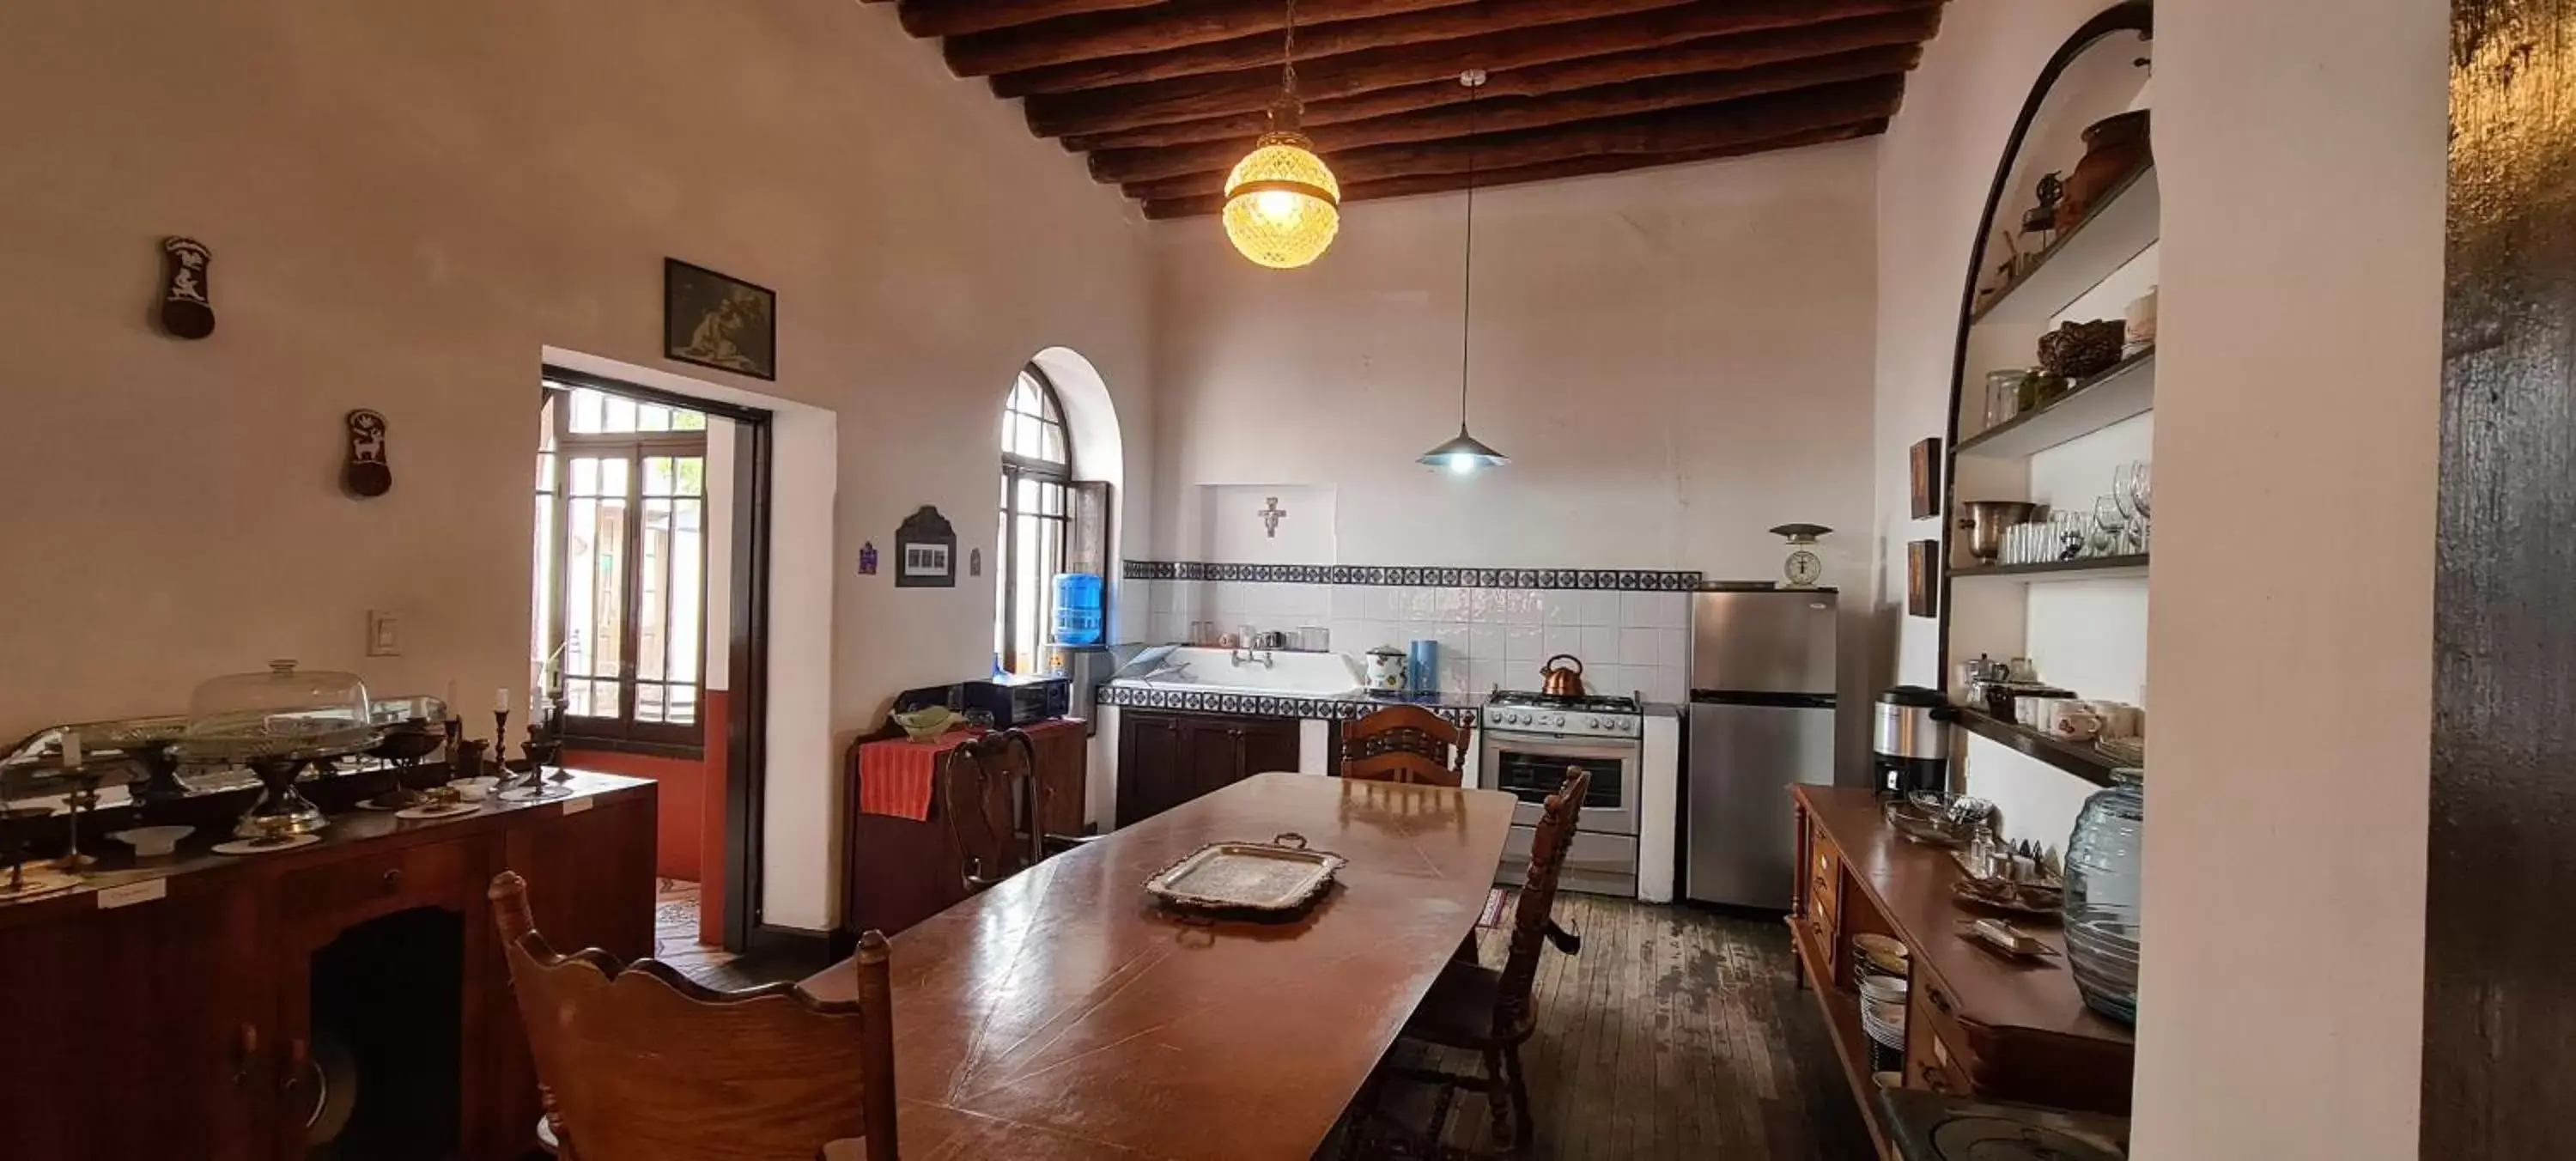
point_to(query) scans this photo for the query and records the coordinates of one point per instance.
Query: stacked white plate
(1885, 1023)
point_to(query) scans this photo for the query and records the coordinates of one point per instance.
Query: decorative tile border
(1626, 580)
(1262, 705)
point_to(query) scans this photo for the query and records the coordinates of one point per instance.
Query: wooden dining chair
(641, 1064)
(991, 803)
(1489, 1011)
(1406, 743)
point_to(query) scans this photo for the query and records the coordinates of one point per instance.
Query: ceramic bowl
(473, 789)
(928, 723)
(152, 842)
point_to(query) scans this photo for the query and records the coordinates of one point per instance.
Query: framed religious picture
(714, 320)
(1924, 465)
(1922, 578)
(925, 551)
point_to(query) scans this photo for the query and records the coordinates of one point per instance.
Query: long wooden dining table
(1064, 1014)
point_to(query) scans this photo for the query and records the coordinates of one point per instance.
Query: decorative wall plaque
(868, 559)
(366, 474)
(925, 551)
(187, 303)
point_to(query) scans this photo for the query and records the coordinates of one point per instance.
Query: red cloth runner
(896, 775)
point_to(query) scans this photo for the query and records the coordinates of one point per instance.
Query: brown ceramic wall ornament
(366, 474)
(187, 304)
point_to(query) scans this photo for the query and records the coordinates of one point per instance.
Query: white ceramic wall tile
(1561, 639)
(1560, 608)
(1640, 646)
(1673, 648)
(1600, 645)
(1600, 608)
(1521, 645)
(1640, 610)
(1666, 684)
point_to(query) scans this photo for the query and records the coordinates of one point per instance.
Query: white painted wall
(2303, 146)
(406, 203)
(1676, 359)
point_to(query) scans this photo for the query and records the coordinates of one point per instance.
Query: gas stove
(1590, 716)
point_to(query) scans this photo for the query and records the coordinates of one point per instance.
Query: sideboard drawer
(374, 884)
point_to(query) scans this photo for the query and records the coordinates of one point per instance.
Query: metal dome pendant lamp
(1466, 454)
(1282, 206)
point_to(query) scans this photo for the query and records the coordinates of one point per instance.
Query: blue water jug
(1078, 616)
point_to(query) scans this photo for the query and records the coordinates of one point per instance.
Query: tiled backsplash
(1629, 641)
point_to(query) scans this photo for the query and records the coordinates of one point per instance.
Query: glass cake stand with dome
(277, 723)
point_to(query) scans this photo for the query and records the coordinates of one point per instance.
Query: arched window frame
(1035, 509)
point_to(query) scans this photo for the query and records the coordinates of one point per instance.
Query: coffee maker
(1909, 741)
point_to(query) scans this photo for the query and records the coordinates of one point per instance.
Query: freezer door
(1742, 835)
(1763, 642)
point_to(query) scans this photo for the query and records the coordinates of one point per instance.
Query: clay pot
(2114, 148)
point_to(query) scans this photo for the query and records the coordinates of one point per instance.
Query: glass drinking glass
(2111, 527)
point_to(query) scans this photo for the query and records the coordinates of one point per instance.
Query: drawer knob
(1940, 1003)
(393, 879)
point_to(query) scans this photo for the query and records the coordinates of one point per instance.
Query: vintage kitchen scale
(1277, 879)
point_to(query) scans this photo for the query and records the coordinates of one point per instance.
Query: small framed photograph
(714, 320)
(1924, 463)
(1923, 578)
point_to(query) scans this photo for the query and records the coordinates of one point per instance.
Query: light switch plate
(384, 634)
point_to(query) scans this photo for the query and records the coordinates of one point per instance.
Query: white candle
(71, 750)
(501, 700)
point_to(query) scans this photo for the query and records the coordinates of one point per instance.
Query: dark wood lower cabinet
(1166, 759)
(197, 1023)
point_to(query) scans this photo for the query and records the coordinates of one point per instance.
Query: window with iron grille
(620, 598)
(1037, 473)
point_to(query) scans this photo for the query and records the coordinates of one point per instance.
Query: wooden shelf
(2077, 758)
(1842, 1027)
(2127, 389)
(2088, 568)
(2120, 228)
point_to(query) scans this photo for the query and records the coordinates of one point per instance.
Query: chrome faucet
(1261, 657)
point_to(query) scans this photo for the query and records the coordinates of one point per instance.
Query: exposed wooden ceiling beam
(1508, 113)
(1746, 50)
(1173, 25)
(1447, 23)
(960, 17)
(1700, 127)
(1190, 98)
(1546, 171)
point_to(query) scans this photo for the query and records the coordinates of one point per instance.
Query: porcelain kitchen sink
(1286, 673)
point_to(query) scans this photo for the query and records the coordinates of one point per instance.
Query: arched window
(1037, 473)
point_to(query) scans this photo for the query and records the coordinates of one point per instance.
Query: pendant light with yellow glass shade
(1282, 206)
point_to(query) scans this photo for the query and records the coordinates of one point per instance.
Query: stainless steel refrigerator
(1761, 717)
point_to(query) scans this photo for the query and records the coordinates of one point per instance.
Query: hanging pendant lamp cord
(1288, 72)
(1467, 293)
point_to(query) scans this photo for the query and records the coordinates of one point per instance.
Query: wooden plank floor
(1676, 1033)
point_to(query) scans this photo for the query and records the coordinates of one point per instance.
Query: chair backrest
(642, 1064)
(1538, 898)
(988, 790)
(1406, 743)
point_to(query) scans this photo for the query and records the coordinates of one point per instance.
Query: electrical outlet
(384, 634)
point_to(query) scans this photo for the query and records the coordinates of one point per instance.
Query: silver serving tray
(1278, 876)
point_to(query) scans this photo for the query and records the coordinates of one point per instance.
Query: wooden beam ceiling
(1669, 131)
(1188, 98)
(1165, 95)
(1546, 171)
(1709, 54)
(1451, 21)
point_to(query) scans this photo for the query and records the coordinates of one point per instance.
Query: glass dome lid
(284, 713)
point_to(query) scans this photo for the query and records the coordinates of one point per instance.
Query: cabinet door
(139, 1031)
(1227, 750)
(1153, 774)
(1271, 745)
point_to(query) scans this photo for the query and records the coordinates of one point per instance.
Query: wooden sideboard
(1977, 1023)
(182, 1009)
(899, 872)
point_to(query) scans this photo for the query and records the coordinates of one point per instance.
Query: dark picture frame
(1922, 578)
(717, 320)
(1924, 465)
(925, 551)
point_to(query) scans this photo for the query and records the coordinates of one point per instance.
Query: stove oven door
(1531, 769)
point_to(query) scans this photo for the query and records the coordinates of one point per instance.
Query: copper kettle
(1561, 680)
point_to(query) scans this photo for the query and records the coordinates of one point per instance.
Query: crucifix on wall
(1271, 516)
